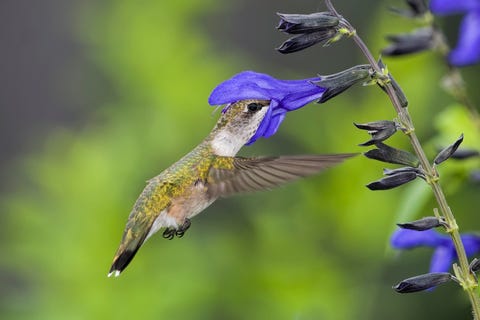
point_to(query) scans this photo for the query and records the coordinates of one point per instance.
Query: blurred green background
(97, 97)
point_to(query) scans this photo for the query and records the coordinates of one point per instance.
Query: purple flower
(444, 253)
(468, 47)
(284, 96)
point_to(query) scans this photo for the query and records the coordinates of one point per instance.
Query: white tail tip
(116, 273)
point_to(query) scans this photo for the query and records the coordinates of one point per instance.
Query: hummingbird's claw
(169, 233)
(184, 227)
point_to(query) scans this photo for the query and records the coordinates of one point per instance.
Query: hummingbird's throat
(235, 128)
(227, 144)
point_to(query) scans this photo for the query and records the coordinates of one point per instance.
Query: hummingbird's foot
(169, 233)
(184, 227)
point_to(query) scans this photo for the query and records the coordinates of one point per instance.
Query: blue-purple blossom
(468, 47)
(284, 96)
(444, 253)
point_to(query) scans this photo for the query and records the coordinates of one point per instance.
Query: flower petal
(407, 239)
(274, 124)
(254, 85)
(236, 89)
(471, 243)
(297, 100)
(444, 7)
(442, 259)
(264, 124)
(468, 47)
(284, 95)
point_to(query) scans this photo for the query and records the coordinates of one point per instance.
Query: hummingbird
(210, 171)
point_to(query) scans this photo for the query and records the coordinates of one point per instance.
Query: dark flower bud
(341, 81)
(391, 155)
(448, 151)
(307, 23)
(475, 265)
(406, 43)
(390, 172)
(392, 181)
(396, 87)
(417, 8)
(320, 27)
(464, 154)
(422, 224)
(306, 40)
(379, 130)
(422, 282)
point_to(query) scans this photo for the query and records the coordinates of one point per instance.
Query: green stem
(465, 277)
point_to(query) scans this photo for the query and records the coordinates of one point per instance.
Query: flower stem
(466, 278)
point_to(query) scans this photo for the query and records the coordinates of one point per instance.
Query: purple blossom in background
(444, 253)
(468, 47)
(284, 96)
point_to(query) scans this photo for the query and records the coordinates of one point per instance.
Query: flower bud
(465, 154)
(417, 8)
(379, 130)
(306, 23)
(341, 81)
(422, 282)
(319, 27)
(306, 40)
(475, 265)
(448, 151)
(406, 43)
(391, 155)
(422, 224)
(392, 181)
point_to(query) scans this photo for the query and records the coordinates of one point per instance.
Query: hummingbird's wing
(230, 175)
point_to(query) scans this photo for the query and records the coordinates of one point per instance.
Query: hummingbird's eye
(253, 107)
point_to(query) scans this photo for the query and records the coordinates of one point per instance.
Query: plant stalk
(466, 278)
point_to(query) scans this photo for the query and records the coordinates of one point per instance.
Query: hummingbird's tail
(125, 253)
(121, 261)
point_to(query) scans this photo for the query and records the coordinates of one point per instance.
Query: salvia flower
(306, 23)
(475, 265)
(393, 180)
(379, 130)
(284, 95)
(416, 9)
(462, 154)
(423, 224)
(419, 40)
(422, 282)
(309, 29)
(444, 254)
(448, 151)
(467, 51)
(392, 155)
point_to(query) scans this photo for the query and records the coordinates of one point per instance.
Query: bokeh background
(96, 97)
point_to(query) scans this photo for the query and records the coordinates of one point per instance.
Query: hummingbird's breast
(188, 206)
(179, 192)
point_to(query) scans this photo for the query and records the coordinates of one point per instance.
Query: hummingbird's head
(238, 123)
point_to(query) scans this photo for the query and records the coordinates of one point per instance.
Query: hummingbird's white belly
(182, 208)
